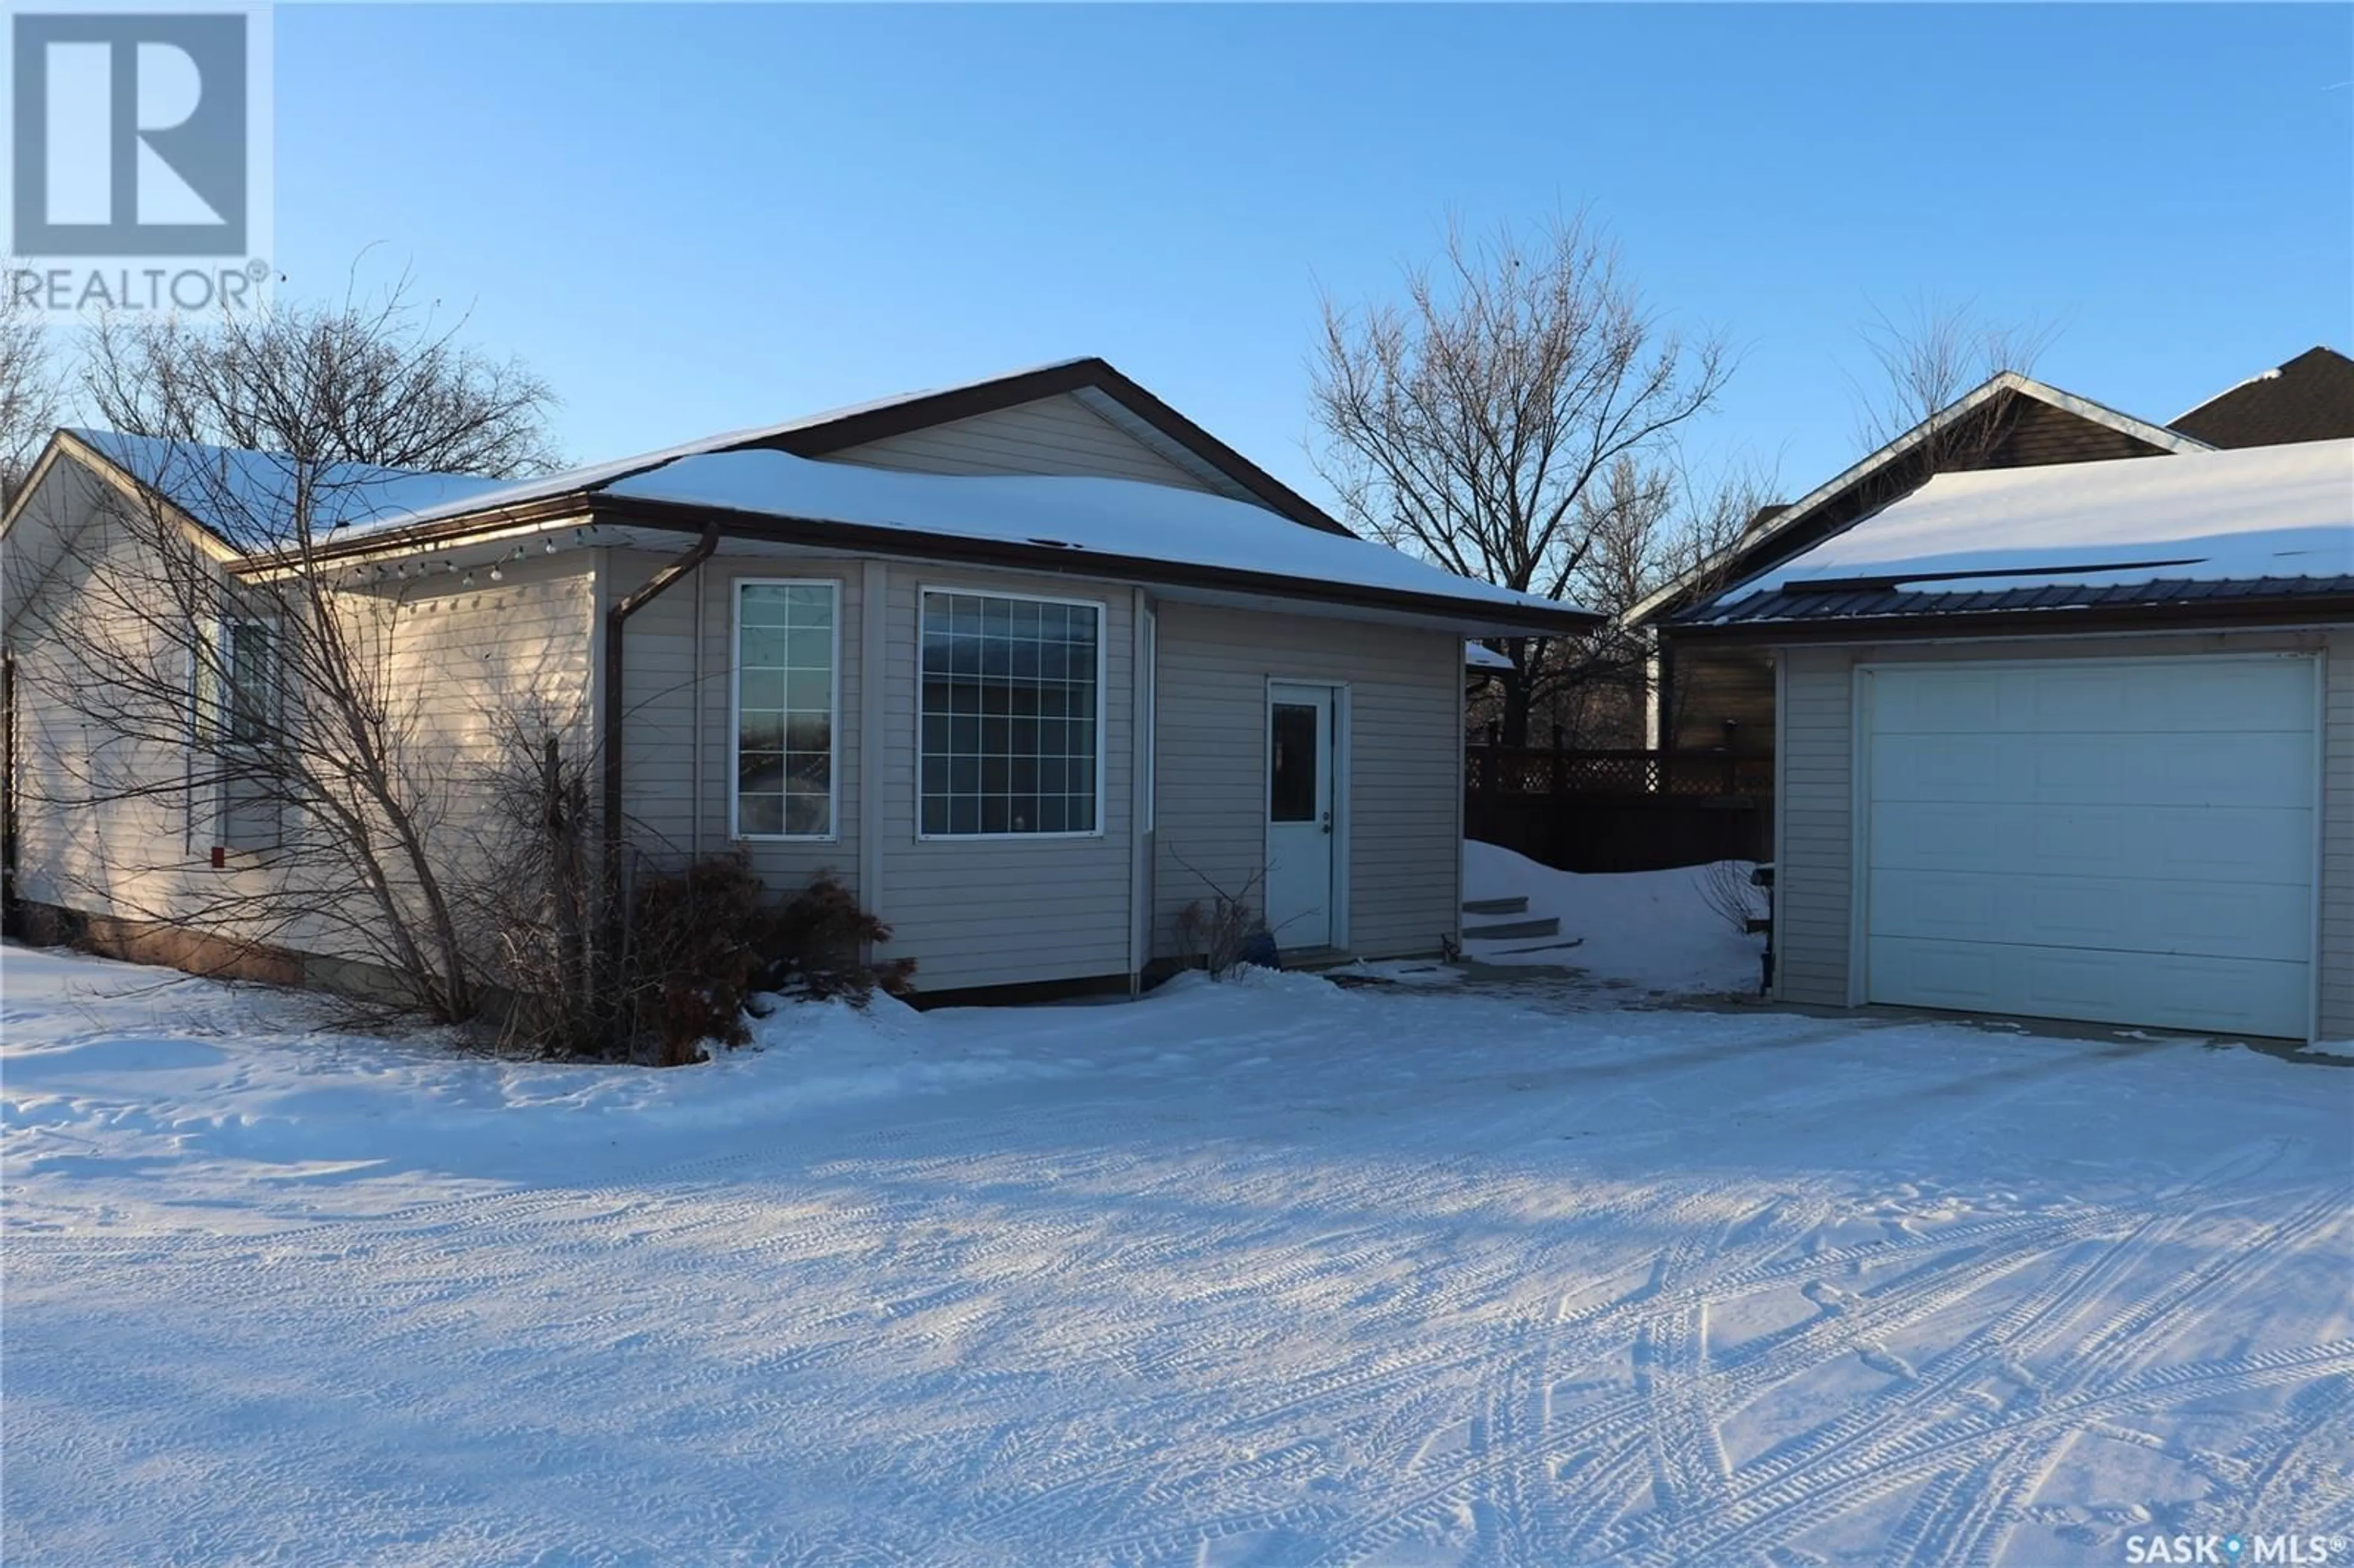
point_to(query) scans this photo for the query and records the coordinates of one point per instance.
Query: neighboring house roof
(1479, 656)
(2310, 398)
(2046, 426)
(2221, 531)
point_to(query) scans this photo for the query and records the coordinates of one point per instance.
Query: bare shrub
(817, 944)
(1725, 886)
(529, 905)
(238, 686)
(693, 961)
(1216, 936)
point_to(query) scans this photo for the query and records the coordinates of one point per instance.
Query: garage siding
(1812, 868)
(1814, 930)
(2338, 838)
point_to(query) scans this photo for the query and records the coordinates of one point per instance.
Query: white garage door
(2126, 841)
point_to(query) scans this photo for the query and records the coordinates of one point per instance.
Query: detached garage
(2073, 743)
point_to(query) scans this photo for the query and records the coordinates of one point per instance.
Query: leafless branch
(1510, 420)
(213, 688)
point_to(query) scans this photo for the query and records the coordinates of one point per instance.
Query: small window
(787, 650)
(237, 724)
(248, 656)
(237, 682)
(1012, 715)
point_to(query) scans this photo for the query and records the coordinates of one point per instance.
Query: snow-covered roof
(1788, 521)
(250, 497)
(2213, 516)
(1479, 656)
(1086, 373)
(1129, 524)
(1127, 519)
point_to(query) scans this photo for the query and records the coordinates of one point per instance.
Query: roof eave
(866, 538)
(2278, 609)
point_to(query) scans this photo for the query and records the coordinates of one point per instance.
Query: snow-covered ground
(1273, 1272)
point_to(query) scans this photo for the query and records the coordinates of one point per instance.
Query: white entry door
(1299, 807)
(2126, 841)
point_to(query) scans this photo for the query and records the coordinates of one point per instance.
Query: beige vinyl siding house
(1402, 693)
(1026, 741)
(144, 865)
(2043, 779)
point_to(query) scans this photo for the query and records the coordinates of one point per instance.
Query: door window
(1291, 786)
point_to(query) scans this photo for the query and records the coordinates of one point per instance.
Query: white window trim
(736, 832)
(1103, 748)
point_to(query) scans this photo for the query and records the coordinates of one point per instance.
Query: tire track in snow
(2052, 1305)
(1801, 1502)
(1781, 1491)
(1990, 1500)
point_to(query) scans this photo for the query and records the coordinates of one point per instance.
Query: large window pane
(784, 706)
(1009, 722)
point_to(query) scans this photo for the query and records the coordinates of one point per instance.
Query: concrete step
(1511, 930)
(1495, 906)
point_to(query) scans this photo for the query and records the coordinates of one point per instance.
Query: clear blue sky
(694, 219)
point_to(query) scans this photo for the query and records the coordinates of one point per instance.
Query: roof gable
(245, 500)
(1061, 435)
(1093, 382)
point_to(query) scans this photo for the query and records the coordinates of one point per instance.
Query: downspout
(616, 620)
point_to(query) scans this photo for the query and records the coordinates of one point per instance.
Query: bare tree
(233, 690)
(368, 381)
(1503, 419)
(1650, 523)
(31, 393)
(1924, 360)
